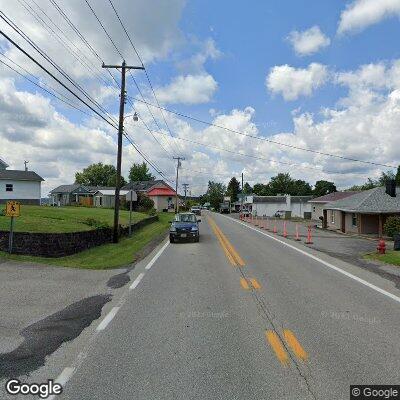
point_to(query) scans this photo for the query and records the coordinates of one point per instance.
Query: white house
(24, 186)
(270, 205)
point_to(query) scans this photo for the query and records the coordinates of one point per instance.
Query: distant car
(196, 210)
(279, 214)
(184, 226)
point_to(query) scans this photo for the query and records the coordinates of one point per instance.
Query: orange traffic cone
(284, 230)
(275, 230)
(297, 233)
(309, 238)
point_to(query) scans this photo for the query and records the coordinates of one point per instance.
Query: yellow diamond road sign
(13, 209)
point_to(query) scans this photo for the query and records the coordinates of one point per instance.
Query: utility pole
(178, 164)
(241, 205)
(123, 69)
(185, 186)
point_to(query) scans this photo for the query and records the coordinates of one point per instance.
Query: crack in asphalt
(44, 337)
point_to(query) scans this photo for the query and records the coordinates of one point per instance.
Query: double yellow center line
(230, 252)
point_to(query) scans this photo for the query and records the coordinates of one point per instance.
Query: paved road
(241, 316)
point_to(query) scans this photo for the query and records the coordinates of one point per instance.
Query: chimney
(391, 188)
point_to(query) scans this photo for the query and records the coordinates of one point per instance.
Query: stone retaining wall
(63, 244)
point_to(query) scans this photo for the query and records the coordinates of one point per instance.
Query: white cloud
(292, 82)
(309, 41)
(362, 13)
(189, 89)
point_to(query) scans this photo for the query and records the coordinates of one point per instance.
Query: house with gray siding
(319, 203)
(365, 212)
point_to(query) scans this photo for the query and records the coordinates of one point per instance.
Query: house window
(354, 219)
(332, 217)
(9, 187)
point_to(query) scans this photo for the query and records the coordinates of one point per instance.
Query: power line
(145, 71)
(54, 64)
(121, 55)
(263, 138)
(55, 78)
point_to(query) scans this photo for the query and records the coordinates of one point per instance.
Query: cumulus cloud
(292, 82)
(362, 13)
(309, 41)
(189, 89)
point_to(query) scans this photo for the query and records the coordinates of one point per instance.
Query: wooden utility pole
(123, 69)
(185, 186)
(178, 164)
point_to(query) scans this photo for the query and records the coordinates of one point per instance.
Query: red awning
(161, 192)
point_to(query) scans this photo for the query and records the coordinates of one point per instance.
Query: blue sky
(318, 75)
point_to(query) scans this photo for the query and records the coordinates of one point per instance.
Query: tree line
(100, 174)
(283, 183)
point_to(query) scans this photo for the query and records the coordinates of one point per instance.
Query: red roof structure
(161, 192)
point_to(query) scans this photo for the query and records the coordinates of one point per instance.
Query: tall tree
(260, 189)
(98, 175)
(233, 189)
(398, 176)
(215, 193)
(323, 188)
(300, 188)
(140, 172)
(247, 189)
(281, 184)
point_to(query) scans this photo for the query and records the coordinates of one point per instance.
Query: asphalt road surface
(241, 316)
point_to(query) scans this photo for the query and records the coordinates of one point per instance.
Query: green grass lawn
(109, 255)
(391, 257)
(63, 219)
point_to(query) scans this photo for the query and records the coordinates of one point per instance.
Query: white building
(268, 206)
(24, 186)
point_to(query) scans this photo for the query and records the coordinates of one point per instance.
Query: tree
(261, 190)
(386, 177)
(98, 175)
(140, 172)
(300, 188)
(215, 193)
(144, 203)
(281, 184)
(398, 176)
(247, 189)
(323, 188)
(233, 189)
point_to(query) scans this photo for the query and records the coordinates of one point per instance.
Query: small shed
(106, 197)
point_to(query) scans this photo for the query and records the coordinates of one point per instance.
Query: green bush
(2, 212)
(392, 226)
(145, 204)
(152, 211)
(94, 223)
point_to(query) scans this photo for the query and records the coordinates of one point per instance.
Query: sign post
(131, 196)
(13, 209)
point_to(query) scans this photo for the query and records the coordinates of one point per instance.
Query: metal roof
(16, 175)
(334, 196)
(281, 199)
(373, 201)
(111, 192)
(79, 188)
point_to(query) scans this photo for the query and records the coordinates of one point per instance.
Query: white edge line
(62, 379)
(154, 259)
(329, 265)
(136, 281)
(107, 319)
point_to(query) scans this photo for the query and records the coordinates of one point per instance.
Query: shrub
(392, 226)
(145, 204)
(2, 211)
(94, 223)
(152, 211)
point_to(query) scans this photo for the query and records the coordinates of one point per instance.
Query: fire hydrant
(381, 247)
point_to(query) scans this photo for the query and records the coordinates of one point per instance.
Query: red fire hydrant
(381, 247)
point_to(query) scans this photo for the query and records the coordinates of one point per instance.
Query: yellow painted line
(221, 242)
(244, 283)
(277, 346)
(229, 250)
(255, 283)
(232, 250)
(294, 344)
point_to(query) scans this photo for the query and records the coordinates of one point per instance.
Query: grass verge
(109, 255)
(391, 257)
(63, 219)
